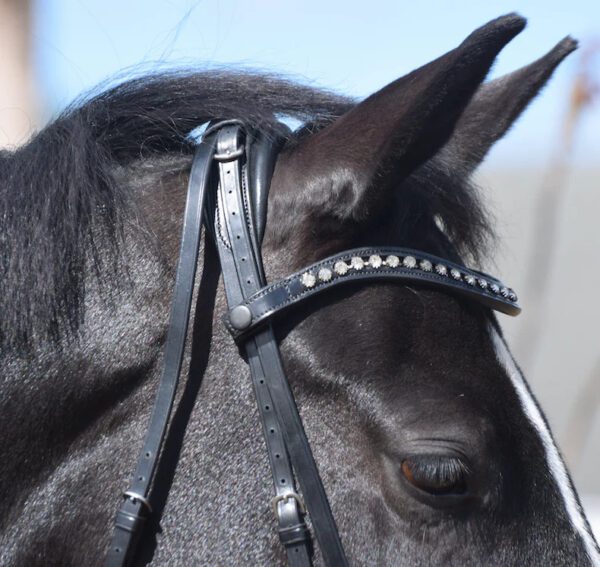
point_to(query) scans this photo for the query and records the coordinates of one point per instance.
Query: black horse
(430, 445)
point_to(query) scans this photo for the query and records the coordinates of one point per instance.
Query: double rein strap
(136, 505)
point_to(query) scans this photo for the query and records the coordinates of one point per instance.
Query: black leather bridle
(228, 188)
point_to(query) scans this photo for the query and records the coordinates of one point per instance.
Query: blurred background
(541, 179)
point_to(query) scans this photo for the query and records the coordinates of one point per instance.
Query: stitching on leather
(434, 277)
(402, 273)
(218, 212)
(364, 252)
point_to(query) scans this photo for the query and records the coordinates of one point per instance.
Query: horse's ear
(495, 107)
(348, 169)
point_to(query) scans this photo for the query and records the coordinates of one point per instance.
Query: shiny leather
(242, 275)
(133, 512)
(235, 214)
(274, 300)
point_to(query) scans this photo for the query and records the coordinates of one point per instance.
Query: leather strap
(368, 264)
(237, 214)
(242, 261)
(261, 156)
(242, 273)
(136, 505)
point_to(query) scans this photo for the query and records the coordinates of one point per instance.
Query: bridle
(228, 190)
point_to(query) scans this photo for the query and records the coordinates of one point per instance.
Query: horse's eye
(436, 474)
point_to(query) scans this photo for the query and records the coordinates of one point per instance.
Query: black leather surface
(236, 216)
(275, 299)
(237, 244)
(132, 513)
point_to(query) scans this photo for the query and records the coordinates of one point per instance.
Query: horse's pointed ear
(348, 169)
(495, 107)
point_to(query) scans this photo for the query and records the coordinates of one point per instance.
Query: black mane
(59, 194)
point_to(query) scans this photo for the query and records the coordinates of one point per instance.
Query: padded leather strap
(237, 238)
(261, 156)
(368, 264)
(136, 505)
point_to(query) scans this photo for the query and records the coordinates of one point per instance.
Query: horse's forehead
(408, 345)
(388, 321)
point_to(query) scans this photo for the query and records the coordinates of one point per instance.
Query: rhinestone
(441, 269)
(455, 273)
(325, 274)
(482, 283)
(409, 262)
(341, 268)
(504, 292)
(495, 288)
(375, 261)
(308, 279)
(512, 295)
(470, 280)
(392, 261)
(357, 263)
(426, 265)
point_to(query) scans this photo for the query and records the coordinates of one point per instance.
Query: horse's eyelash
(438, 467)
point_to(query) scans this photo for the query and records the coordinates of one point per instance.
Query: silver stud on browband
(392, 261)
(357, 263)
(426, 265)
(441, 269)
(375, 261)
(325, 274)
(308, 279)
(409, 262)
(455, 273)
(340, 268)
(470, 279)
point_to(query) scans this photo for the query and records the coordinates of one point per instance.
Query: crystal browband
(370, 264)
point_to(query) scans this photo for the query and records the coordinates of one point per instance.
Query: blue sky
(351, 47)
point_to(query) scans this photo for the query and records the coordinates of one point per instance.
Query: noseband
(228, 188)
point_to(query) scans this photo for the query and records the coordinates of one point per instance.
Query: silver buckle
(284, 498)
(230, 155)
(136, 496)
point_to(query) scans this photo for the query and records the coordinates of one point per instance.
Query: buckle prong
(136, 496)
(230, 155)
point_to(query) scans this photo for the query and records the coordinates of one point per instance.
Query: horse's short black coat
(91, 213)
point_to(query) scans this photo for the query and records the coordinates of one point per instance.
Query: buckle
(230, 155)
(284, 498)
(136, 496)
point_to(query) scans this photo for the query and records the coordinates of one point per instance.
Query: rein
(228, 188)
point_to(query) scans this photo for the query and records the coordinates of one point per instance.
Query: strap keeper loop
(294, 535)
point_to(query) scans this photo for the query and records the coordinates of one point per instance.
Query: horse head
(431, 447)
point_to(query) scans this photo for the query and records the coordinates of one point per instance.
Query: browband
(403, 265)
(234, 205)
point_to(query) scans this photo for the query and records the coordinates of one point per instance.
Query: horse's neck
(75, 418)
